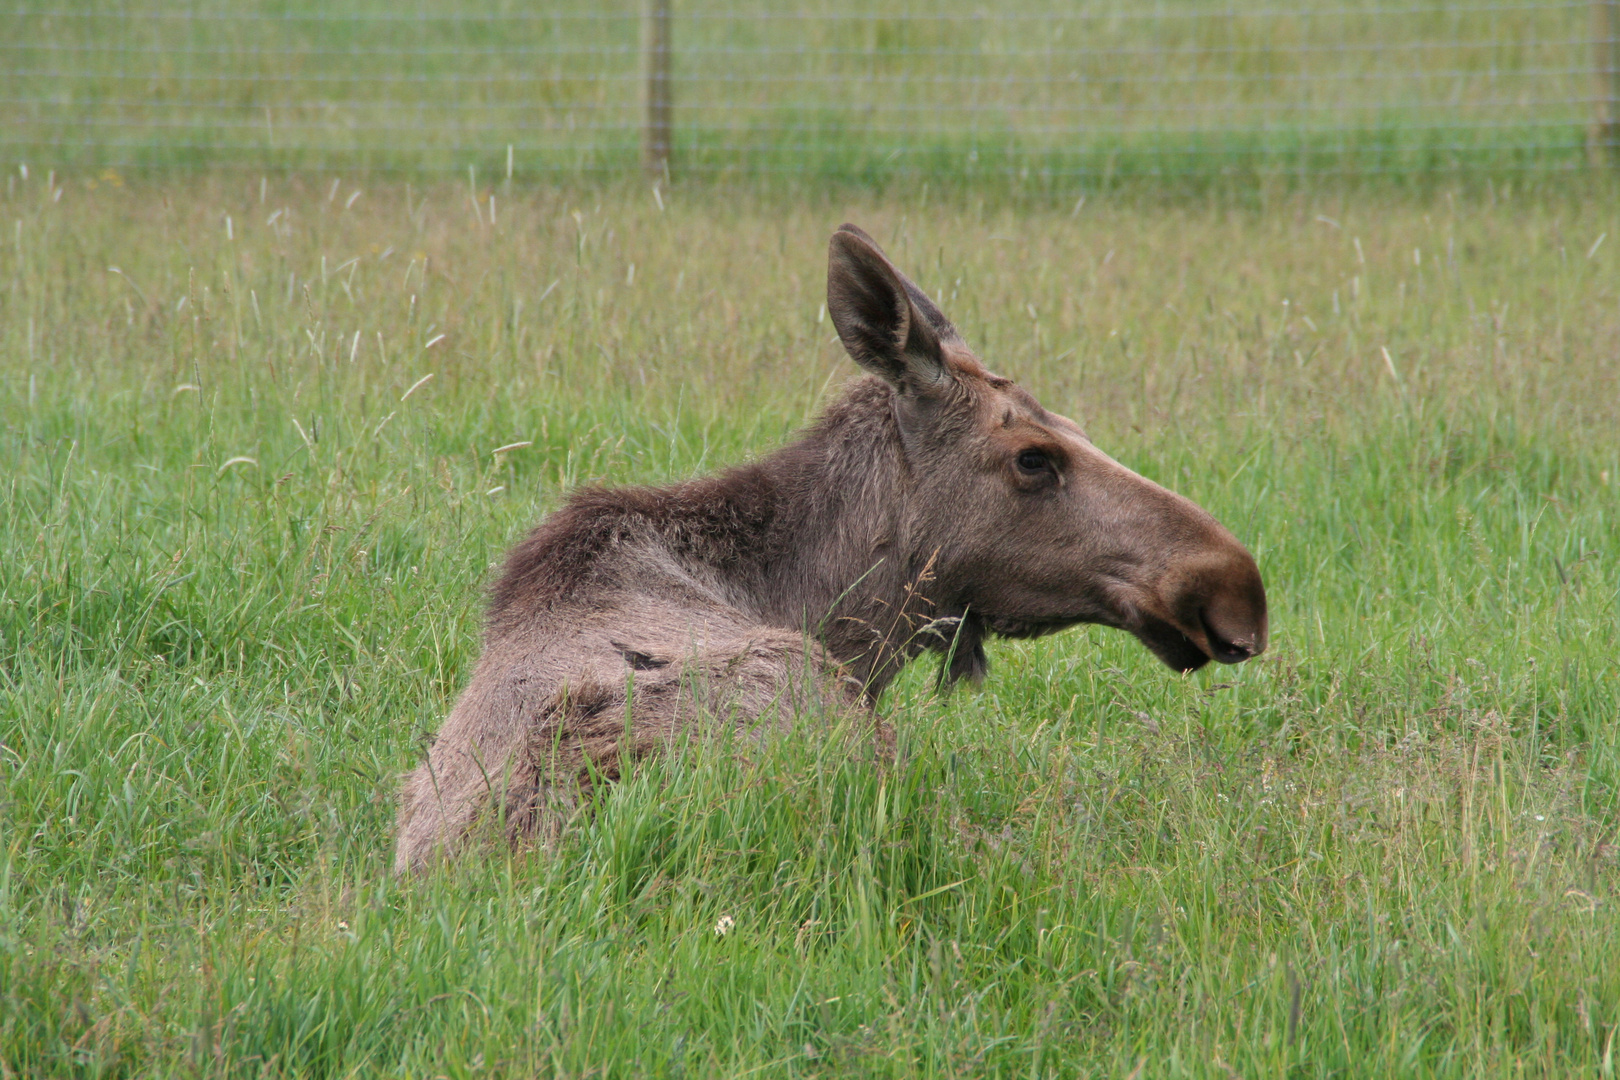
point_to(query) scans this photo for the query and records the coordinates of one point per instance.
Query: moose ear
(885, 322)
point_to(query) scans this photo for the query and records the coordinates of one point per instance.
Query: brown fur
(933, 504)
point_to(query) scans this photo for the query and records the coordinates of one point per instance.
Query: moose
(932, 505)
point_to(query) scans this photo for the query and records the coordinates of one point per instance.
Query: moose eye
(1031, 462)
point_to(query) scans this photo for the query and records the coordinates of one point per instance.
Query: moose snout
(1213, 608)
(1232, 612)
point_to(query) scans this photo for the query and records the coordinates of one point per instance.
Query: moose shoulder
(932, 505)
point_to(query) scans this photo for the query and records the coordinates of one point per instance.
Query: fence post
(656, 137)
(1603, 138)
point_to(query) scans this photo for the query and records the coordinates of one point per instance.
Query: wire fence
(1095, 88)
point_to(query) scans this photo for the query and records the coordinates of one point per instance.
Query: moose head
(1030, 526)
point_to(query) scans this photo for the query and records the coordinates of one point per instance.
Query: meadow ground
(1099, 90)
(251, 488)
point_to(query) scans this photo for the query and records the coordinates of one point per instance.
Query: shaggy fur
(933, 504)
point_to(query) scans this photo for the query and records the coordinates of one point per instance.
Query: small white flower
(723, 927)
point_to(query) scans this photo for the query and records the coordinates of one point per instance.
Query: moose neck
(839, 560)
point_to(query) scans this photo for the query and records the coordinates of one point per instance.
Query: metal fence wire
(824, 87)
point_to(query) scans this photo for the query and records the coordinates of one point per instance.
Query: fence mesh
(1095, 88)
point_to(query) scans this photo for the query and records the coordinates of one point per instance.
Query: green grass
(1100, 91)
(242, 543)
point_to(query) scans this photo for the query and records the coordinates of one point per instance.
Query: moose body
(932, 505)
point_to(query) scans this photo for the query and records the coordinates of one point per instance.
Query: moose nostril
(1227, 652)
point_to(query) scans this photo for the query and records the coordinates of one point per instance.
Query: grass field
(250, 493)
(1102, 89)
